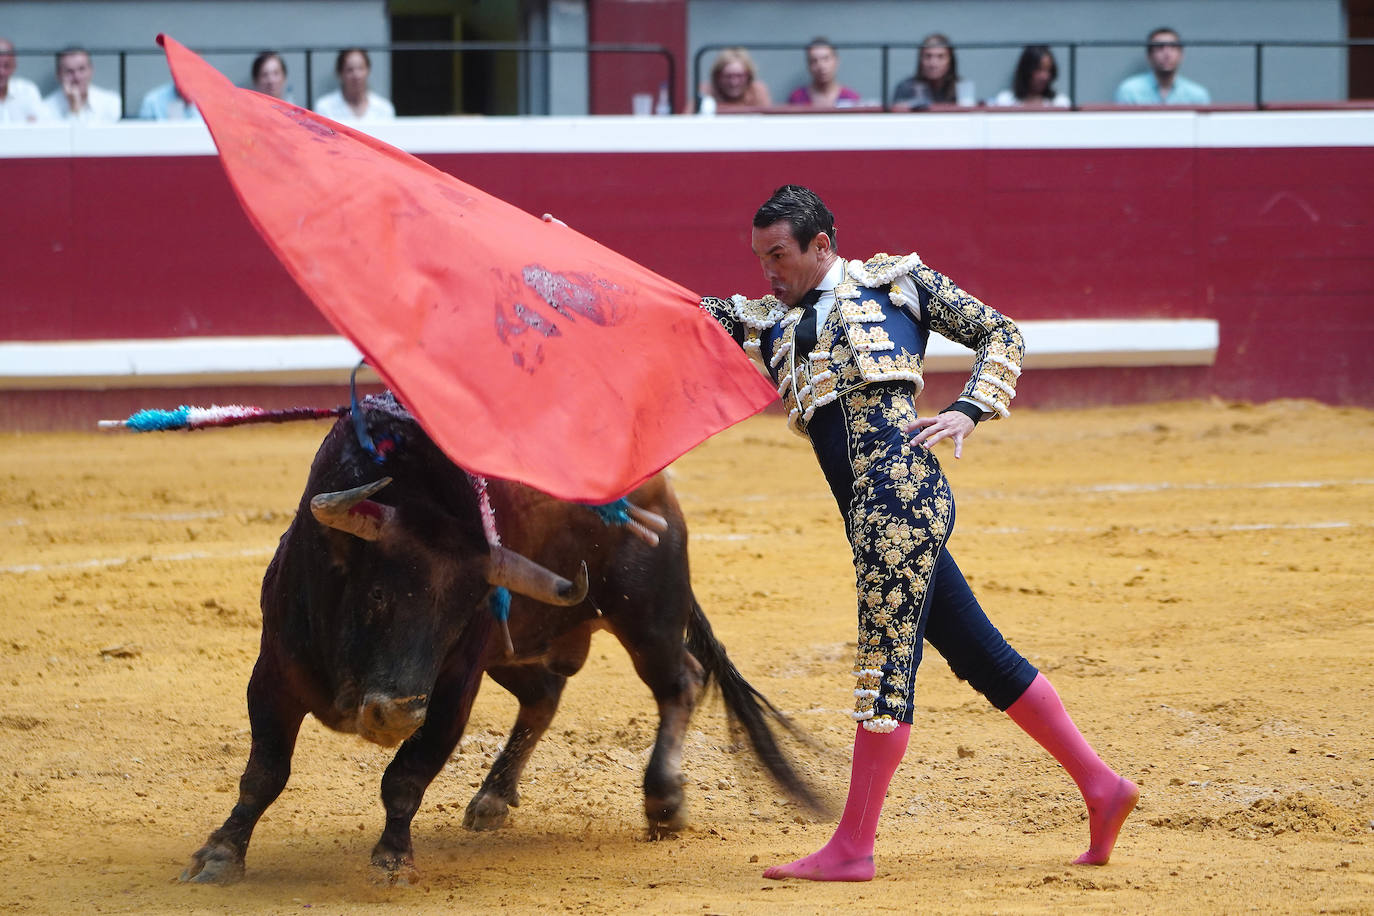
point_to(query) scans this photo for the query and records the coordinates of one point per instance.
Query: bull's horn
(351, 511)
(520, 574)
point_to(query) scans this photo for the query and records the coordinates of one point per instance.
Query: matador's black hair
(802, 209)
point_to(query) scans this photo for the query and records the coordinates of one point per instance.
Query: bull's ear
(352, 512)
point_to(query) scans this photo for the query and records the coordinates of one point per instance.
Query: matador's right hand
(951, 425)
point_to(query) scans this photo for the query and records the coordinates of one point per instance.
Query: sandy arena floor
(1192, 577)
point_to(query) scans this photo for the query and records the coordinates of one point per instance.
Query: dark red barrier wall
(1276, 244)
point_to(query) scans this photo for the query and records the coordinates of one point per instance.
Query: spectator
(166, 103)
(353, 102)
(269, 75)
(1162, 85)
(734, 84)
(1033, 84)
(823, 63)
(937, 72)
(77, 99)
(20, 102)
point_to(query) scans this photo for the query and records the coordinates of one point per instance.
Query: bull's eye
(376, 595)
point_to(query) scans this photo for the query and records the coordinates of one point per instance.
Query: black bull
(376, 624)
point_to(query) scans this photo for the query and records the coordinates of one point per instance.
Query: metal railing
(311, 53)
(527, 50)
(1071, 65)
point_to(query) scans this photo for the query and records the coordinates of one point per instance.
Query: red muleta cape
(526, 350)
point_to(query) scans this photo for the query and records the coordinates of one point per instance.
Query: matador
(845, 343)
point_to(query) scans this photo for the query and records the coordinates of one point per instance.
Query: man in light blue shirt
(166, 103)
(1162, 85)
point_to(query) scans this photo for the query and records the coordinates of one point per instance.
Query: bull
(375, 621)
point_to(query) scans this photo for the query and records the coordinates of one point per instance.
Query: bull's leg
(414, 767)
(538, 691)
(275, 720)
(676, 679)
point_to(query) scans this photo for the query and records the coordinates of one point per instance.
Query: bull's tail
(750, 710)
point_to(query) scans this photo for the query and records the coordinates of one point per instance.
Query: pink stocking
(849, 854)
(1110, 797)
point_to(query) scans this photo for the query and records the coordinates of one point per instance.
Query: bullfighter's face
(791, 271)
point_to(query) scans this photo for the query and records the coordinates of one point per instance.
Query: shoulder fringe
(882, 269)
(758, 314)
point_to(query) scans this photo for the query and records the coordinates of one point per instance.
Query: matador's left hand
(951, 425)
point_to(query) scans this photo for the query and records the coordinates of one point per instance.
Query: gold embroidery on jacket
(854, 349)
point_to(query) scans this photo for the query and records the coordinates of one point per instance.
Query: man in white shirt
(20, 102)
(77, 99)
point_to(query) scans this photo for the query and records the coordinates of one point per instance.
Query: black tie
(805, 338)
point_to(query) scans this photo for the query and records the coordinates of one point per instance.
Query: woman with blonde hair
(734, 84)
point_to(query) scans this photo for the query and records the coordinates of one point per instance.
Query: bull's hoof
(487, 811)
(393, 869)
(213, 865)
(665, 818)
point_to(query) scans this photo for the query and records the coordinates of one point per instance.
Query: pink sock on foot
(849, 854)
(1110, 797)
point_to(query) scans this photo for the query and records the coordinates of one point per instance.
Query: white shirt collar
(832, 277)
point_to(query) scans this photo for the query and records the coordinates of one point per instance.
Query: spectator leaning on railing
(824, 91)
(734, 83)
(1162, 85)
(166, 103)
(269, 75)
(77, 99)
(20, 102)
(937, 73)
(1033, 84)
(353, 102)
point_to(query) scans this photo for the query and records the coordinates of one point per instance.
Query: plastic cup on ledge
(642, 104)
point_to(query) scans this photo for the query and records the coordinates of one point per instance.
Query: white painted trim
(1101, 343)
(1095, 130)
(1224, 130)
(178, 362)
(326, 360)
(1152, 129)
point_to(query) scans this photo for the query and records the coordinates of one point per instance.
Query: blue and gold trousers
(899, 513)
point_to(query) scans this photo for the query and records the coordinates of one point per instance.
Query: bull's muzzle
(388, 720)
